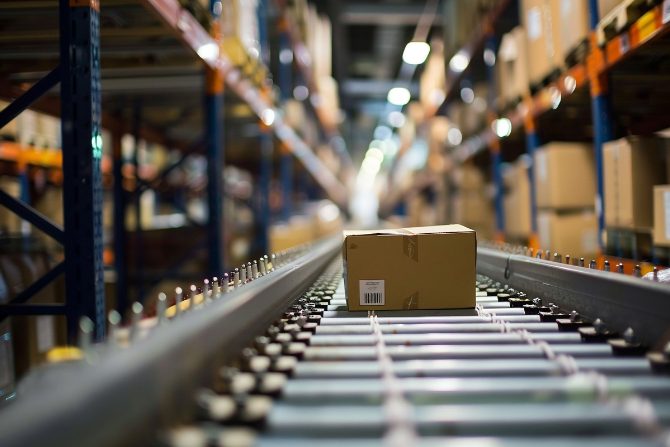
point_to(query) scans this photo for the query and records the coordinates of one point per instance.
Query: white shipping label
(372, 292)
(666, 206)
(534, 19)
(541, 160)
(46, 337)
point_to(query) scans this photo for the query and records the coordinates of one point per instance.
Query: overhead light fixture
(459, 61)
(382, 133)
(454, 136)
(415, 53)
(268, 117)
(489, 57)
(399, 96)
(467, 95)
(286, 56)
(396, 119)
(502, 127)
(300, 92)
(208, 51)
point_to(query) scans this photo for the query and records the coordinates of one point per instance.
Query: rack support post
(82, 152)
(215, 158)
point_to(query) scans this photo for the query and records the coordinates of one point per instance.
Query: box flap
(441, 229)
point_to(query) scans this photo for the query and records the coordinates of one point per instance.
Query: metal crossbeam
(32, 309)
(33, 216)
(38, 285)
(31, 95)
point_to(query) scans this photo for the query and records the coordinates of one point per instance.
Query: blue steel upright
(285, 89)
(532, 143)
(601, 111)
(266, 146)
(214, 143)
(82, 153)
(496, 154)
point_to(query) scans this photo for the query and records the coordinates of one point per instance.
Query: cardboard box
(512, 66)
(517, 201)
(408, 268)
(662, 215)
(632, 166)
(573, 24)
(606, 6)
(564, 176)
(574, 234)
(472, 207)
(542, 38)
(468, 177)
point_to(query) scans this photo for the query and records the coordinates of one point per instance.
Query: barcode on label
(372, 292)
(373, 298)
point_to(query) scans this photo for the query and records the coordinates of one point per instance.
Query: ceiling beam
(383, 13)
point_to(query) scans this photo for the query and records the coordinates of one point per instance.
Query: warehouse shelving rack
(593, 75)
(82, 151)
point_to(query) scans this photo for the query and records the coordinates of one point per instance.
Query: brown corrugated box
(632, 166)
(662, 215)
(564, 176)
(573, 23)
(517, 200)
(408, 268)
(542, 38)
(512, 66)
(574, 234)
(606, 6)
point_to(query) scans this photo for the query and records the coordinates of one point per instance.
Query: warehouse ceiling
(368, 40)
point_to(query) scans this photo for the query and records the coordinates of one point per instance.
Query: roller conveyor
(309, 373)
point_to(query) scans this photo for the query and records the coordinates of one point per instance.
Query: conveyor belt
(279, 361)
(497, 375)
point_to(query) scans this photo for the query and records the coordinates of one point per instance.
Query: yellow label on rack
(646, 25)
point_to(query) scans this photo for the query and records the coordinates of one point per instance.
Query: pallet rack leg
(285, 88)
(491, 45)
(532, 143)
(120, 199)
(82, 152)
(215, 158)
(601, 111)
(265, 177)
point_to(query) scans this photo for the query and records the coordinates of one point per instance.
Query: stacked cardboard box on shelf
(538, 18)
(471, 205)
(565, 188)
(517, 200)
(661, 233)
(512, 66)
(632, 166)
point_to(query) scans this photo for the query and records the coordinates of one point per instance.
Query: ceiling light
(300, 92)
(382, 133)
(489, 57)
(415, 53)
(454, 136)
(502, 127)
(467, 95)
(399, 96)
(396, 119)
(268, 117)
(459, 61)
(286, 56)
(208, 51)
